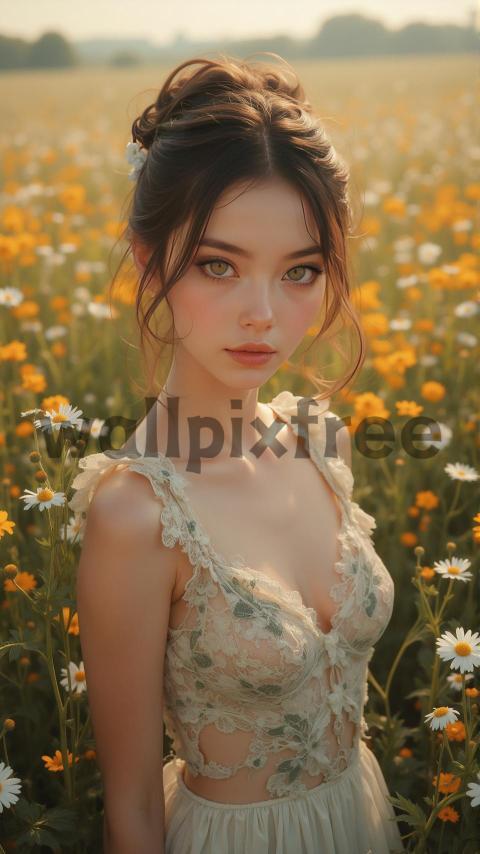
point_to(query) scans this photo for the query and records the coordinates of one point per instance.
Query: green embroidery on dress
(243, 610)
(202, 660)
(370, 603)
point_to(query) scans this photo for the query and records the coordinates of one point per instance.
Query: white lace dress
(251, 660)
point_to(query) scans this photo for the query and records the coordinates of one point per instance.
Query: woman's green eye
(218, 274)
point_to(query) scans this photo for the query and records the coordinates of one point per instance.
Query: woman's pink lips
(250, 357)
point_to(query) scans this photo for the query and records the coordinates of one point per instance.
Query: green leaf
(413, 814)
(202, 660)
(243, 610)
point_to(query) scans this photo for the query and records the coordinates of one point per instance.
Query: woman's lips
(249, 357)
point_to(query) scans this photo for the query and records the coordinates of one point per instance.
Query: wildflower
(473, 791)
(405, 752)
(25, 580)
(433, 391)
(456, 568)
(408, 538)
(65, 416)
(43, 498)
(441, 716)
(472, 692)
(136, 156)
(9, 787)
(455, 680)
(449, 814)
(458, 471)
(408, 407)
(464, 649)
(466, 339)
(55, 763)
(10, 296)
(437, 435)
(427, 573)
(448, 784)
(102, 311)
(455, 731)
(427, 500)
(466, 309)
(77, 678)
(428, 252)
(6, 524)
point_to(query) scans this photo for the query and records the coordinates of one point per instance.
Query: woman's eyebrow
(313, 249)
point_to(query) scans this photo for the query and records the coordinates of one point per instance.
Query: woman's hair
(214, 126)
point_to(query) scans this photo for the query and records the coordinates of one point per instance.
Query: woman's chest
(283, 524)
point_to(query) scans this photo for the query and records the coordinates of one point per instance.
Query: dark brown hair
(225, 122)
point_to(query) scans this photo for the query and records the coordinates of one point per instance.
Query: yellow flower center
(58, 417)
(463, 648)
(45, 494)
(454, 570)
(441, 711)
(80, 676)
(458, 677)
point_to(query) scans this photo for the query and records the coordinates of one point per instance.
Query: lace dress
(250, 659)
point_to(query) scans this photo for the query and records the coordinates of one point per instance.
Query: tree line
(339, 36)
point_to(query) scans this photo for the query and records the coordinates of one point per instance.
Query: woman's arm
(124, 587)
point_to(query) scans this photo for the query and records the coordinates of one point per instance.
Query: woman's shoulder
(326, 430)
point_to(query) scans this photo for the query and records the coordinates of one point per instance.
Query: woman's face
(268, 290)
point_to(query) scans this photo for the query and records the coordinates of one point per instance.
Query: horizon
(215, 20)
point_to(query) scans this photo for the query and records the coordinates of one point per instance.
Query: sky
(161, 21)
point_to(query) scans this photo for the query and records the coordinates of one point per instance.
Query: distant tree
(13, 52)
(51, 50)
(350, 35)
(124, 59)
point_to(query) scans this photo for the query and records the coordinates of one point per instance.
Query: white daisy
(65, 416)
(75, 528)
(466, 339)
(31, 412)
(473, 791)
(458, 471)
(428, 252)
(136, 156)
(43, 498)
(77, 678)
(437, 435)
(102, 310)
(464, 649)
(441, 716)
(10, 787)
(10, 296)
(466, 309)
(455, 568)
(455, 680)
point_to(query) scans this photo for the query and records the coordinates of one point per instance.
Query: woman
(234, 594)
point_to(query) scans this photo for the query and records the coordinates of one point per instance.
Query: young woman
(228, 586)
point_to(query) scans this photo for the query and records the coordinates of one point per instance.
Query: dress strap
(335, 470)
(169, 487)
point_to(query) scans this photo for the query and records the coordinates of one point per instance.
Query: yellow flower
(408, 407)
(370, 404)
(55, 763)
(375, 323)
(6, 524)
(427, 573)
(13, 352)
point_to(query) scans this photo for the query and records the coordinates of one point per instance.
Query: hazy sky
(161, 20)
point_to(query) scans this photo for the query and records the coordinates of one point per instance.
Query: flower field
(69, 361)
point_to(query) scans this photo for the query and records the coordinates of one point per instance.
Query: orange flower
(25, 580)
(427, 500)
(409, 539)
(448, 814)
(472, 692)
(408, 407)
(55, 763)
(448, 784)
(413, 512)
(405, 752)
(427, 573)
(433, 391)
(455, 731)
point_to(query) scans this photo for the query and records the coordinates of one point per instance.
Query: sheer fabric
(249, 659)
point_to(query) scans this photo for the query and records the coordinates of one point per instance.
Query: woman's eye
(218, 266)
(315, 270)
(215, 263)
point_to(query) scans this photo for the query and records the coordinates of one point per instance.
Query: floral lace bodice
(249, 658)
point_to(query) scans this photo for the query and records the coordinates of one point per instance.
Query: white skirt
(347, 815)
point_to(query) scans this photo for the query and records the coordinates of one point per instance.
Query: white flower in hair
(136, 157)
